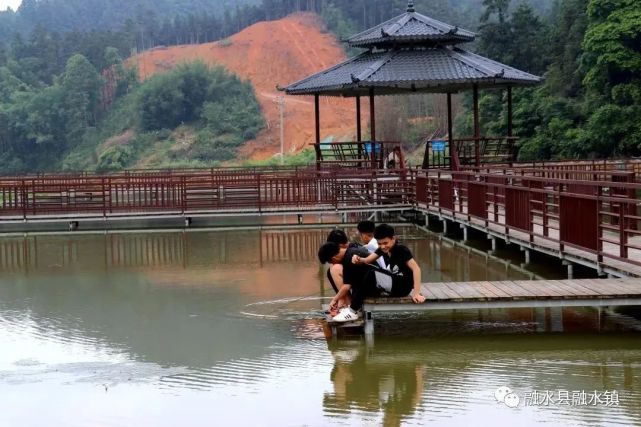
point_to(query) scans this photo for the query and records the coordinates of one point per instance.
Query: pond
(205, 327)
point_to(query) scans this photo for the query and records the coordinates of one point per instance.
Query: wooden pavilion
(413, 53)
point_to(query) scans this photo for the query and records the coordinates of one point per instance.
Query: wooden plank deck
(512, 294)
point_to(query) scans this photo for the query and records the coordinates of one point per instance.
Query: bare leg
(343, 298)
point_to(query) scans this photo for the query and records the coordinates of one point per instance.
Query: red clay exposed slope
(269, 54)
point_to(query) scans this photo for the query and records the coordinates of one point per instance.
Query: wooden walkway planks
(524, 292)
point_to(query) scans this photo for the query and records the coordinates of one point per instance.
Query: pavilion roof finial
(410, 6)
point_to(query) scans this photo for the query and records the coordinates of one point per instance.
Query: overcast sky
(13, 4)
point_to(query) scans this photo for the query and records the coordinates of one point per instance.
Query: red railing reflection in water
(594, 212)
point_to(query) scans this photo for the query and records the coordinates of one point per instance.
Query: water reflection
(100, 253)
(451, 379)
(369, 381)
(110, 252)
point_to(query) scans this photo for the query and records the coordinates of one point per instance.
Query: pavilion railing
(360, 154)
(470, 151)
(596, 216)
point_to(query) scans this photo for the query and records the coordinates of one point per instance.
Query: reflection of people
(366, 232)
(367, 381)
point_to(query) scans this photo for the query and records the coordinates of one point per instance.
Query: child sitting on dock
(403, 276)
(335, 273)
(366, 232)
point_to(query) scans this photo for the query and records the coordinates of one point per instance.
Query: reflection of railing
(158, 250)
(470, 151)
(595, 212)
(213, 190)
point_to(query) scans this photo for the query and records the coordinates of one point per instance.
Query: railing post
(623, 235)
(104, 197)
(23, 196)
(544, 212)
(599, 241)
(260, 208)
(33, 192)
(183, 198)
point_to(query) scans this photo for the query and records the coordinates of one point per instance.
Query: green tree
(81, 85)
(612, 64)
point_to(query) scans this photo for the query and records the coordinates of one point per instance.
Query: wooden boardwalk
(592, 220)
(513, 294)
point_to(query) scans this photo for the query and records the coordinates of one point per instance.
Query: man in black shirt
(335, 273)
(401, 276)
(351, 275)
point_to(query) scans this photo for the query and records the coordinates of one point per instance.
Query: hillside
(269, 54)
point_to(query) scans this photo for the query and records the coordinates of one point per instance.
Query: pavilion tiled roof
(426, 69)
(410, 28)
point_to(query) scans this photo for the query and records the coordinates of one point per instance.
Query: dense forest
(64, 91)
(144, 24)
(590, 55)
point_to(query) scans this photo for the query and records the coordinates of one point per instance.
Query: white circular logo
(506, 395)
(511, 400)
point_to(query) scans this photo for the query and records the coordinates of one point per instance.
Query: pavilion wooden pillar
(477, 128)
(372, 123)
(317, 123)
(510, 129)
(454, 161)
(359, 134)
(510, 126)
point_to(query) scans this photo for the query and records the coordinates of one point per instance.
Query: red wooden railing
(136, 192)
(596, 212)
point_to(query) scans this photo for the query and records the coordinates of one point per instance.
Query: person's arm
(416, 274)
(364, 260)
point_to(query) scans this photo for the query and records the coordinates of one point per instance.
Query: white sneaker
(347, 315)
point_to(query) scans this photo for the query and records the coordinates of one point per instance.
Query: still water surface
(222, 328)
